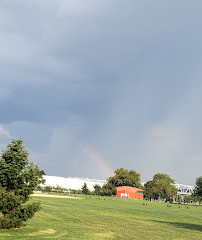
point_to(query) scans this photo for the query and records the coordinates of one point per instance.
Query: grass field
(107, 218)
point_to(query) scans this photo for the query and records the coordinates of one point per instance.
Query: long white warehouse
(72, 183)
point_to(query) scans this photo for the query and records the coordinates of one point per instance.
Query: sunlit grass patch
(107, 218)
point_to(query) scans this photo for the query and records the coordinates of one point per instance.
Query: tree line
(161, 187)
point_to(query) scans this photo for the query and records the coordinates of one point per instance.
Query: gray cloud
(122, 77)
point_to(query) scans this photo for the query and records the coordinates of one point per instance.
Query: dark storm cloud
(122, 77)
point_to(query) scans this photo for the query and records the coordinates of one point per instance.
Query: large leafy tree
(122, 177)
(198, 188)
(18, 179)
(160, 187)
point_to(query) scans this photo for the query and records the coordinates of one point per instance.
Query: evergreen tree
(18, 179)
(85, 189)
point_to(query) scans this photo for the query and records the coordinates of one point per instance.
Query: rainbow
(100, 161)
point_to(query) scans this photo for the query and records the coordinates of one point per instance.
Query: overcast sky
(95, 85)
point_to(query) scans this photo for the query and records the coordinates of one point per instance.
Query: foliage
(148, 193)
(18, 179)
(85, 189)
(160, 187)
(187, 199)
(198, 188)
(122, 177)
(178, 198)
(75, 191)
(59, 189)
(97, 190)
(47, 189)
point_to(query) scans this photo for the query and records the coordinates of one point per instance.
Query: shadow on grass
(182, 225)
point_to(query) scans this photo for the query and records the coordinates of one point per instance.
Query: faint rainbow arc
(99, 160)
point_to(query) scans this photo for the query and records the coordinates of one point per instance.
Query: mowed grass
(107, 218)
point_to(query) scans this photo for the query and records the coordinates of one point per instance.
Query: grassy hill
(108, 218)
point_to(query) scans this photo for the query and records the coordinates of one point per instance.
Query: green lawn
(107, 218)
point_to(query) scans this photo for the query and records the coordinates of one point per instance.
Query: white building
(72, 183)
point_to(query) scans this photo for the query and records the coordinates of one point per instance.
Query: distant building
(129, 192)
(184, 190)
(71, 183)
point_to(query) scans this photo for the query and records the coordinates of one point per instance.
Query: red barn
(129, 192)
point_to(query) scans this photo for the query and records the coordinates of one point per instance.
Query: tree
(179, 198)
(18, 179)
(187, 199)
(85, 189)
(59, 189)
(198, 187)
(48, 189)
(97, 190)
(160, 187)
(122, 177)
(148, 193)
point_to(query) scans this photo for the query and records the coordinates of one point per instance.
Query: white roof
(72, 183)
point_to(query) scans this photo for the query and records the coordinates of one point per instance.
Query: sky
(92, 86)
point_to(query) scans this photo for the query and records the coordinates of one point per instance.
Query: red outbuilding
(129, 192)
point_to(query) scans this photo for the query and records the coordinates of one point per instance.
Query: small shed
(130, 192)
